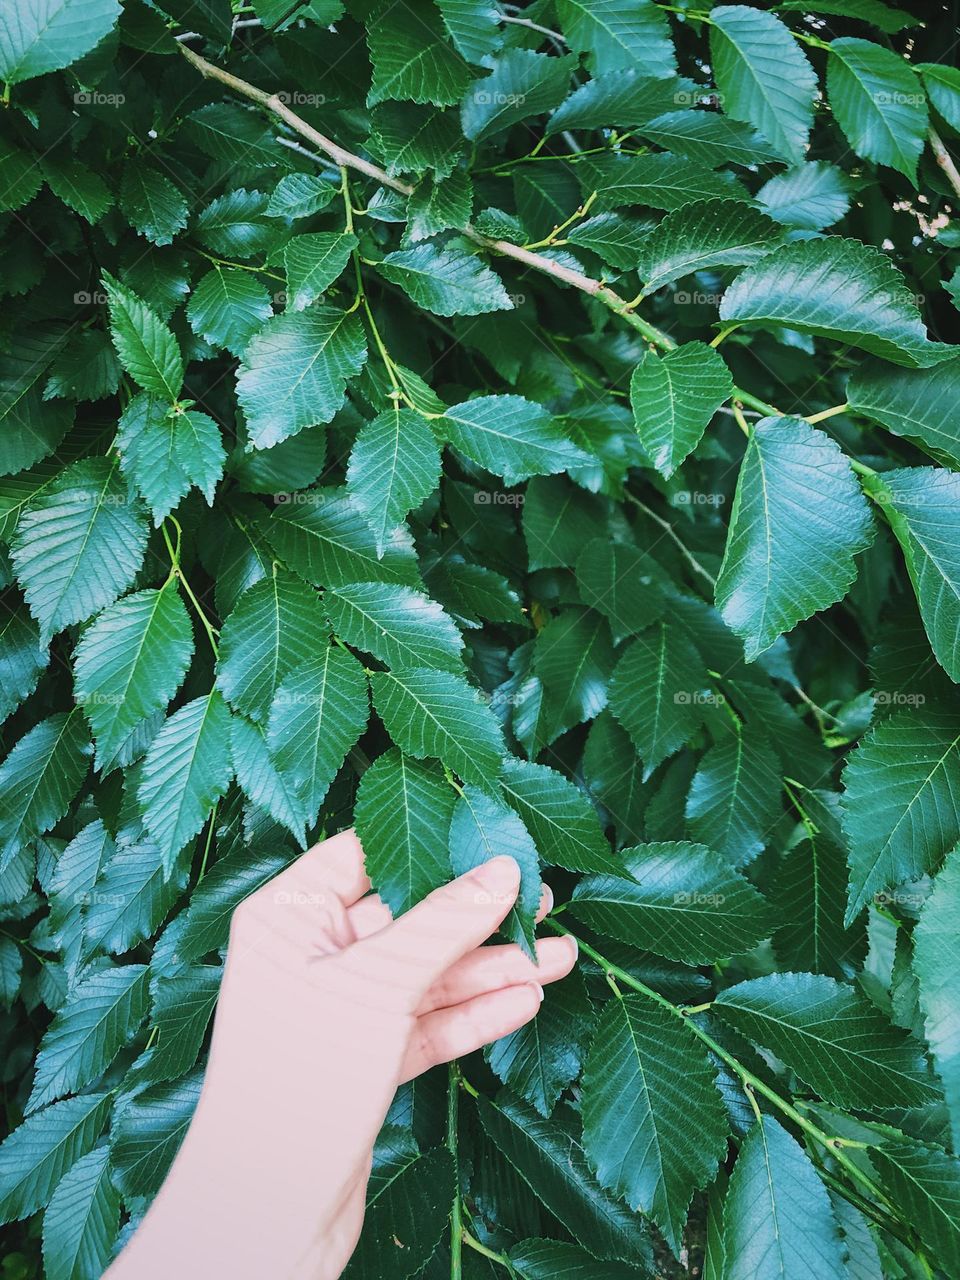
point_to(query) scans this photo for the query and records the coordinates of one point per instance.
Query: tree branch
(945, 160)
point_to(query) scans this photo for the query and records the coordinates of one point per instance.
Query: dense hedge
(526, 430)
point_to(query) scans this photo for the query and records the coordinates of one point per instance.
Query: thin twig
(945, 160)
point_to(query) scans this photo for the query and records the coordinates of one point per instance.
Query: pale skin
(328, 1004)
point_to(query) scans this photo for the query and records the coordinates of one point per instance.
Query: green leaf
(654, 1125)
(236, 224)
(840, 289)
(558, 815)
(49, 35)
(274, 627)
(878, 100)
(679, 900)
(574, 657)
(674, 397)
(411, 59)
(924, 1182)
(20, 178)
(37, 1154)
(655, 693)
(327, 541)
(546, 1055)
(472, 26)
(618, 35)
(166, 451)
(129, 663)
(883, 16)
(522, 84)
(262, 782)
(394, 467)
(81, 1221)
(934, 965)
(438, 714)
(151, 203)
(414, 139)
(549, 1157)
(778, 1221)
(399, 626)
(31, 429)
(799, 518)
(182, 1008)
(616, 579)
(548, 1259)
(510, 436)
(709, 138)
(483, 828)
(811, 196)
(942, 84)
(918, 404)
(836, 1041)
(734, 798)
(298, 195)
(920, 503)
(447, 281)
(39, 779)
(98, 1017)
(131, 898)
(145, 346)
(763, 76)
(317, 714)
(558, 520)
(206, 922)
(899, 804)
(82, 190)
(78, 546)
(294, 372)
(186, 770)
(21, 660)
(402, 817)
(660, 181)
(439, 206)
(227, 307)
(312, 263)
(613, 772)
(616, 238)
(628, 98)
(408, 1204)
(147, 1133)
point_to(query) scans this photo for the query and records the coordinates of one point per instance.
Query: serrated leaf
(679, 900)
(934, 940)
(763, 76)
(559, 518)
(836, 288)
(401, 627)
(133, 894)
(836, 1041)
(709, 138)
(166, 451)
(900, 811)
(618, 35)
(312, 262)
(918, 404)
(236, 225)
(558, 815)
(227, 307)
(206, 922)
(78, 545)
(617, 579)
(129, 663)
(317, 714)
(51, 34)
(574, 657)
(777, 1216)
(39, 779)
(811, 196)
(411, 138)
(21, 659)
(674, 397)
(799, 518)
(259, 778)
(924, 1182)
(521, 84)
(447, 281)
(878, 100)
(660, 181)
(402, 817)
(294, 372)
(510, 436)
(147, 1133)
(734, 798)
(942, 84)
(298, 195)
(438, 714)
(186, 770)
(546, 1055)
(617, 238)
(411, 59)
(80, 1223)
(82, 190)
(37, 1154)
(627, 98)
(147, 349)
(182, 1008)
(549, 1156)
(151, 203)
(394, 467)
(655, 693)
(548, 1259)
(654, 1125)
(275, 626)
(98, 1017)
(436, 206)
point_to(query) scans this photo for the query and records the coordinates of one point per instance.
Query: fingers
(371, 914)
(446, 1034)
(490, 968)
(335, 865)
(412, 953)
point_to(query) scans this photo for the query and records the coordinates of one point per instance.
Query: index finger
(335, 864)
(419, 946)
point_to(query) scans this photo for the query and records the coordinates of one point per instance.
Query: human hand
(327, 1004)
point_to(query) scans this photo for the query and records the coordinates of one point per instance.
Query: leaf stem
(456, 1211)
(828, 413)
(181, 578)
(475, 1244)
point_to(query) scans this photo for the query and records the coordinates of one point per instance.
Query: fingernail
(498, 875)
(547, 899)
(574, 944)
(538, 989)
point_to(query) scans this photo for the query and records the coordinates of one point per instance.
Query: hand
(327, 1005)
